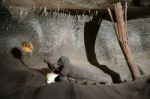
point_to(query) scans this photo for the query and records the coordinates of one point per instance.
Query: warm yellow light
(27, 46)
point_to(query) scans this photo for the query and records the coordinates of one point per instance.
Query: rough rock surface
(57, 35)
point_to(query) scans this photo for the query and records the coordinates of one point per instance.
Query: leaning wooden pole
(123, 41)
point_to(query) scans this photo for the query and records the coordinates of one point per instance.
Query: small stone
(84, 83)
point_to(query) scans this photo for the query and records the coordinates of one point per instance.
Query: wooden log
(63, 5)
(76, 8)
(122, 38)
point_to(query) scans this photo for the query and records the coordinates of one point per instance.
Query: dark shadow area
(16, 52)
(90, 33)
(141, 2)
(18, 55)
(148, 81)
(55, 69)
(52, 68)
(43, 71)
(136, 2)
(4, 14)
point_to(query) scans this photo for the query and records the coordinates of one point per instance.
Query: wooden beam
(62, 4)
(121, 33)
(76, 8)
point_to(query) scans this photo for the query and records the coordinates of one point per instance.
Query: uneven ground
(85, 39)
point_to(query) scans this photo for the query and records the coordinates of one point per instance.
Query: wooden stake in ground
(122, 38)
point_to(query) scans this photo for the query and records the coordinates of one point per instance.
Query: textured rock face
(57, 35)
(86, 42)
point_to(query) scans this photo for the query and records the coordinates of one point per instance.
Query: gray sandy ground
(139, 89)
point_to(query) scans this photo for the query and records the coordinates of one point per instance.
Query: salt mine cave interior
(74, 49)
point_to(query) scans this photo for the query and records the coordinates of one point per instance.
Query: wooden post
(123, 42)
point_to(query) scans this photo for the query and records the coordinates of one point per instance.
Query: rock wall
(59, 34)
(86, 40)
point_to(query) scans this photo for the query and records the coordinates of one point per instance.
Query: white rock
(51, 78)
